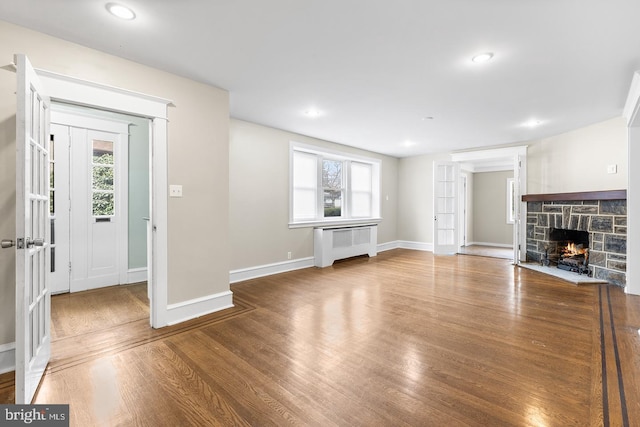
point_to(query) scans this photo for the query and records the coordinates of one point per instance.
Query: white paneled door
(89, 213)
(445, 206)
(33, 299)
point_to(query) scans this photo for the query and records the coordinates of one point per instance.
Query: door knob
(6, 243)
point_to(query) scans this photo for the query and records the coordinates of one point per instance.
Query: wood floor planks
(405, 338)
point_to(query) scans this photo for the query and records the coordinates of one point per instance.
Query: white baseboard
(495, 245)
(388, 246)
(135, 275)
(7, 357)
(416, 246)
(297, 264)
(269, 269)
(197, 307)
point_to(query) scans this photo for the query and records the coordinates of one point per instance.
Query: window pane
(52, 151)
(102, 178)
(53, 259)
(332, 174)
(304, 204)
(103, 152)
(304, 170)
(361, 205)
(305, 183)
(360, 177)
(332, 203)
(52, 168)
(102, 204)
(332, 187)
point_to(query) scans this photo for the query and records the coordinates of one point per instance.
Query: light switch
(612, 169)
(175, 191)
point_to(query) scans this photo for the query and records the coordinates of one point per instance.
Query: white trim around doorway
(94, 95)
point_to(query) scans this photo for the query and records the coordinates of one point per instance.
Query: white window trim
(337, 155)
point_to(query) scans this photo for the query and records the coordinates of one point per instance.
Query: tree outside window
(332, 187)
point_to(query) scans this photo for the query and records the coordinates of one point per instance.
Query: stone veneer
(604, 220)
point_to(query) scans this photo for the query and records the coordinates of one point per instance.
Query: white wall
(415, 198)
(259, 196)
(577, 160)
(571, 162)
(198, 149)
(489, 213)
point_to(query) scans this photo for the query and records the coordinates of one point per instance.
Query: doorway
(490, 223)
(512, 160)
(99, 198)
(69, 90)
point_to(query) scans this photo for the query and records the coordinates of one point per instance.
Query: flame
(572, 250)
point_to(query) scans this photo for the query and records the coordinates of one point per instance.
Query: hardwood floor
(402, 339)
(487, 251)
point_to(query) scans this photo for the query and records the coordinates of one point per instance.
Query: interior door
(59, 208)
(98, 210)
(33, 299)
(520, 208)
(445, 207)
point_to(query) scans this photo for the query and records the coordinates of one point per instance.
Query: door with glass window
(89, 203)
(33, 297)
(95, 209)
(445, 206)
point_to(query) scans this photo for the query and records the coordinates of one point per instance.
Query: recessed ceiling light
(483, 57)
(427, 118)
(313, 113)
(121, 11)
(409, 143)
(532, 123)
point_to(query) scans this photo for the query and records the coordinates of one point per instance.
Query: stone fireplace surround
(603, 214)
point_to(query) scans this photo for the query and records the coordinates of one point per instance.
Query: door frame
(516, 158)
(84, 120)
(67, 89)
(463, 209)
(632, 116)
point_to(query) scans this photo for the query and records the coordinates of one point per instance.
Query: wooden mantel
(585, 195)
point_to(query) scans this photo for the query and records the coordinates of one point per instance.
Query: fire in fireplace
(574, 258)
(569, 250)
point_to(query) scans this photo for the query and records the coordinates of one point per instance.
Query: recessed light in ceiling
(409, 143)
(121, 11)
(532, 123)
(427, 118)
(313, 113)
(482, 58)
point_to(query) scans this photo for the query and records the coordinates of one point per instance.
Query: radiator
(332, 243)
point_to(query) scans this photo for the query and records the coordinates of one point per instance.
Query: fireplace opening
(568, 250)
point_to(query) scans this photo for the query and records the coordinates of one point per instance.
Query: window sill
(335, 223)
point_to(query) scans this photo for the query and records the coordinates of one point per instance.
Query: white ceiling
(376, 68)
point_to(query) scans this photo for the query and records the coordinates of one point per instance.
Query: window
(330, 187)
(103, 179)
(511, 201)
(52, 203)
